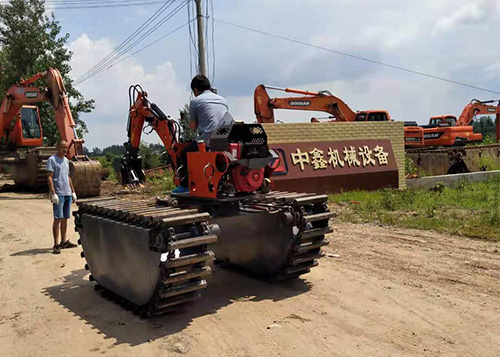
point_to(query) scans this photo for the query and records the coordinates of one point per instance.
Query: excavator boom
(322, 101)
(476, 107)
(142, 112)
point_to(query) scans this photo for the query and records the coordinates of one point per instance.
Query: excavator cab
(27, 131)
(448, 120)
(372, 116)
(30, 123)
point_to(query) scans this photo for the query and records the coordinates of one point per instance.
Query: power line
(94, 4)
(193, 48)
(289, 39)
(136, 37)
(152, 43)
(213, 40)
(82, 1)
(158, 12)
(116, 59)
(97, 6)
(145, 35)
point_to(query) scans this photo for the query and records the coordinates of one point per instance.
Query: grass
(161, 184)
(470, 209)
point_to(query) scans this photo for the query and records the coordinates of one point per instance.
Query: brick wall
(325, 132)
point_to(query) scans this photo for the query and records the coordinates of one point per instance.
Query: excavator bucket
(151, 257)
(86, 175)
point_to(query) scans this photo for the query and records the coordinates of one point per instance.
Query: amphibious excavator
(446, 130)
(21, 135)
(153, 256)
(322, 101)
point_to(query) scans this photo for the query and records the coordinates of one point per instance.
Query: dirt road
(392, 292)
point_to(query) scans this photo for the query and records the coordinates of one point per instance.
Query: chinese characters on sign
(351, 157)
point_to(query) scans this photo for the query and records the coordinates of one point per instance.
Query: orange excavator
(151, 257)
(21, 135)
(447, 130)
(322, 101)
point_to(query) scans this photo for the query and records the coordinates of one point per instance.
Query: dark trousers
(192, 147)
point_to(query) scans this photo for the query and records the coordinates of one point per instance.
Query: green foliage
(471, 209)
(410, 168)
(150, 158)
(486, 126)
(488, 163)
(107, 163)
(30, 42)
(187, 133)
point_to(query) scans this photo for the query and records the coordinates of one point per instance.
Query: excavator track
(453, 159)
(152, 257)
(177, 239)
(30, 171)
(311, 217)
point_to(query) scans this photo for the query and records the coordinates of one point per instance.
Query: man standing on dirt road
(62, 193)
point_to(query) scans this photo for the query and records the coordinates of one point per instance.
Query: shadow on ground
(40, 193)
(78, 296)
(31, 252)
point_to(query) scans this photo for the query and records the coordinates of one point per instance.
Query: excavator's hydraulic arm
(476, 107)
(322, 101)
(142, 112)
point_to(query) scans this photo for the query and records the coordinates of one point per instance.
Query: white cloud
(107, 123)
(454, 39)
(473, 12)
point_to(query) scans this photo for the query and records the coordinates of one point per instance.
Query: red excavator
(322, 101)
(21, 135)
(446, 130)
(151, 257)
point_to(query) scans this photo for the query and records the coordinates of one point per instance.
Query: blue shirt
(207, 111)
(59, 166)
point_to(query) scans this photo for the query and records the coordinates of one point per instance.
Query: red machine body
(16, 105)
(238, 162)
(322, 101)
(447, 130)
(21, 135)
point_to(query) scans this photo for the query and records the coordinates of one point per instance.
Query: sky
(455, 39)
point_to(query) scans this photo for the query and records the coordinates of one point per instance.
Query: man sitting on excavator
(206, 113)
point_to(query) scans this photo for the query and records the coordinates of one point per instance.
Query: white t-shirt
(59, 166)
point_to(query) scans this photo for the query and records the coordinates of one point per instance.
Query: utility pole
(202, 58)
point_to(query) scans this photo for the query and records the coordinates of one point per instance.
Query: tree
(30, 42)
(187, 133)
(96, 152)
(150, 159)
(486, 126)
